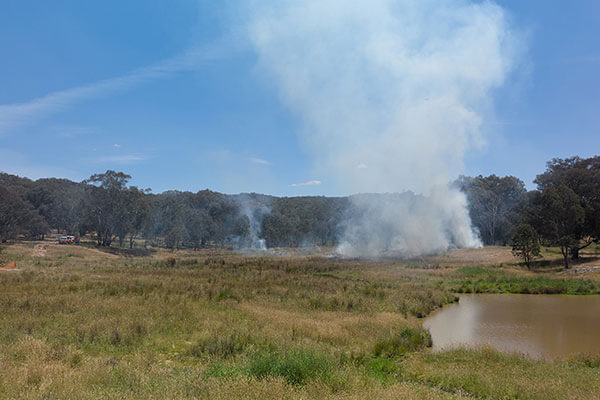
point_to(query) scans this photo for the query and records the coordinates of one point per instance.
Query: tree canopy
(582, 177)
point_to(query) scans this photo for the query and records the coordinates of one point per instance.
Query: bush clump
(220, 370)
(222, 346)
(383, 368)
(296, 366)
(404, 341)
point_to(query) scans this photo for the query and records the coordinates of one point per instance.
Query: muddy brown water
(539, 326)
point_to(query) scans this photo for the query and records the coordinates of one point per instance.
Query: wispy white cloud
(15, 115)
(309, 183)
(256, 160)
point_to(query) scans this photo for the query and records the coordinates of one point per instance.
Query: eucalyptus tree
(108, 205)
(494, 204)
(582, 177)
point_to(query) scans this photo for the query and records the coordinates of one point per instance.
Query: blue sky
(170, 93)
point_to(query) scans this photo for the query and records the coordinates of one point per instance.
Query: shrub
(526, 244)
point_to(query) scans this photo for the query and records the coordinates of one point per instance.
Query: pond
(540, 326)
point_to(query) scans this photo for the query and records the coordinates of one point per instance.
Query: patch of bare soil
(53, 249)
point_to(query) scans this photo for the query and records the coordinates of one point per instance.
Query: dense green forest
(563, 211)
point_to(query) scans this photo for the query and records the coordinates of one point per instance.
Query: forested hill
(564, 210)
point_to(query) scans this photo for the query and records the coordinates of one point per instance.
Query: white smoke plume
(254, 209)
(392, 94)
(255, 217)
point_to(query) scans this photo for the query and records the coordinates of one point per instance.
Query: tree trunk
(575, 253)
(575, 250)
(107, 239)
(565, 254)
(493, 241)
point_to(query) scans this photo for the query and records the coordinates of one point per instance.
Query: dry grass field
(79, 322)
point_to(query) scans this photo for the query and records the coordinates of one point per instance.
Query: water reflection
(541, 326)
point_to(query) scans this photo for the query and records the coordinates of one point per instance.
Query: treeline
(113, 212)
(563, 211)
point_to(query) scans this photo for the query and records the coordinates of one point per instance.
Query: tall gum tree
(582, 176)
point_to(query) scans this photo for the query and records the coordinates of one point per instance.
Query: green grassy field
(77, 322)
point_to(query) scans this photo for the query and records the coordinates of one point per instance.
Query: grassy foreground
(76, 322)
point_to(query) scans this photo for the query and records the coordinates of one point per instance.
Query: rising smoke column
(392, 95)
(255, 210)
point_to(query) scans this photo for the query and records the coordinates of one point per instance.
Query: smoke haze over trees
(564, 211)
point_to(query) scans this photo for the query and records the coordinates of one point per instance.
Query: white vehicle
(68, 239)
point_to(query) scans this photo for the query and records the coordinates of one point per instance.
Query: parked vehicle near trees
(70, 239)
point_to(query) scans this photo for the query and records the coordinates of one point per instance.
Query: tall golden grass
(77, 322)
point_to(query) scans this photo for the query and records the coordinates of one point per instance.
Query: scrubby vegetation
(77, 322)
